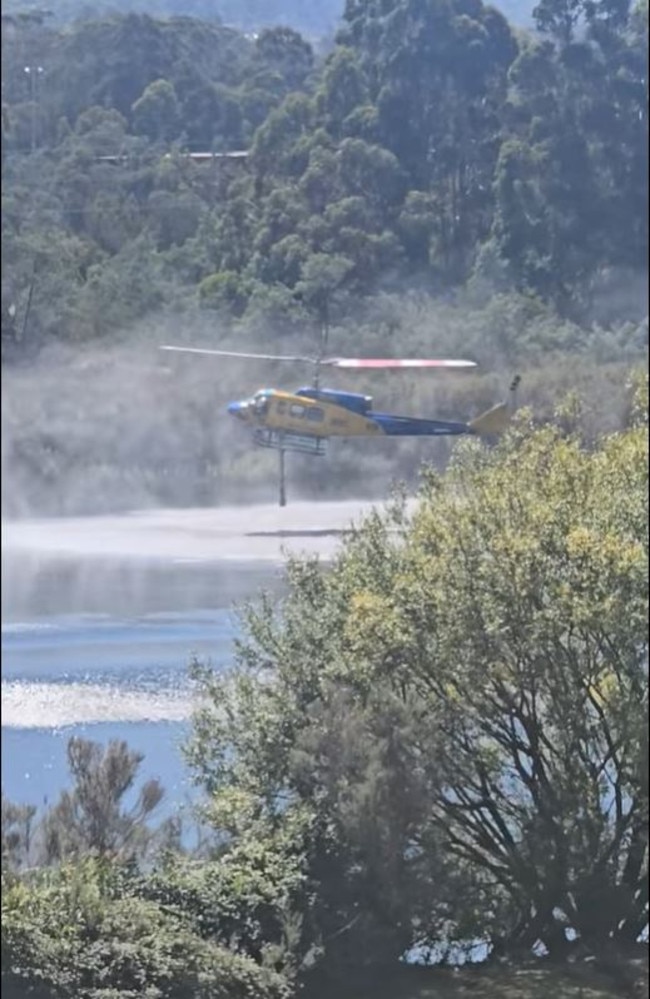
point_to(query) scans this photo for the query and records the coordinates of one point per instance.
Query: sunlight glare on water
(59, 705)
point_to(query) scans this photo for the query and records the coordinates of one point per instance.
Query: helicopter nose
(236, 409)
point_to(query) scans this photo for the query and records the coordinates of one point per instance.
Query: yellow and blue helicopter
(304, 420)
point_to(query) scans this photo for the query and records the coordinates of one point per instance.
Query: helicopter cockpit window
(296, 410)
(315, 414)
(260, 404)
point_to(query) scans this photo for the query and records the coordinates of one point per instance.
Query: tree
(343, 89)
(437, 74)
(276, 140)
(17, 831)
(568, 186)
(371, 171)
(319, 182)
(321, 284)
(560, 19)
(224, 290)
(156, 112)
(286, 52)
(92, 817)
(457, 709)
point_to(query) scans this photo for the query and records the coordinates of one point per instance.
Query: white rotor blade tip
(387, 362)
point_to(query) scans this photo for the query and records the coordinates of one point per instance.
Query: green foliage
(93, 818)
(314, 18)
(223, 290)
(455, 713)
(536, 981)
(17, 829)
(244, 899)
(121, 911)
(283, 52)
(559, 199)
(466, 142)
(343, 89)
(156, 114)
(441, 741)
(82, 933)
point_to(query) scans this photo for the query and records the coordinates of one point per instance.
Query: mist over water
(243, 535)
(106, 428)
(92, 428)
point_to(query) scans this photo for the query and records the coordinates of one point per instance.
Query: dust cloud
(103, 429)
(96, 429)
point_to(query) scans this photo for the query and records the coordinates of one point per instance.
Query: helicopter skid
(290, 442)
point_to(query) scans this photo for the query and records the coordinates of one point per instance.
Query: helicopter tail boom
(493, 421)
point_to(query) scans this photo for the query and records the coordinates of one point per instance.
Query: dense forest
(434, 145)
(317, 19)
(437, 180)
(437, 749)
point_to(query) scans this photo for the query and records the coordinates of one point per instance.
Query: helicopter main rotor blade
(234, 353)
(330, 362)
(394, 362)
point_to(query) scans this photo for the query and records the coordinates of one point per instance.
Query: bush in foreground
(81, 933)
(451, 721)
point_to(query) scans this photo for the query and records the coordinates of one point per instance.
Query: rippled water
(101, 648)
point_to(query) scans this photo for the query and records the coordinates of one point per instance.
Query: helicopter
(304, 420)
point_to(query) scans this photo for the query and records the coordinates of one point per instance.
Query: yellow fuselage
(296, 414)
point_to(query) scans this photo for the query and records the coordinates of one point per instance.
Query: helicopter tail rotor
(497, 419)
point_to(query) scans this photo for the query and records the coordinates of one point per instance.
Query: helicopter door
(261, 406)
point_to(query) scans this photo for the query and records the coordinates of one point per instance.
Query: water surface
(100, 648)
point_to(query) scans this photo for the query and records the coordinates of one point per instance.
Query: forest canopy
(433, 144)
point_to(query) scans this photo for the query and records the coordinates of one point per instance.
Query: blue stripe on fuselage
(406, 426)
